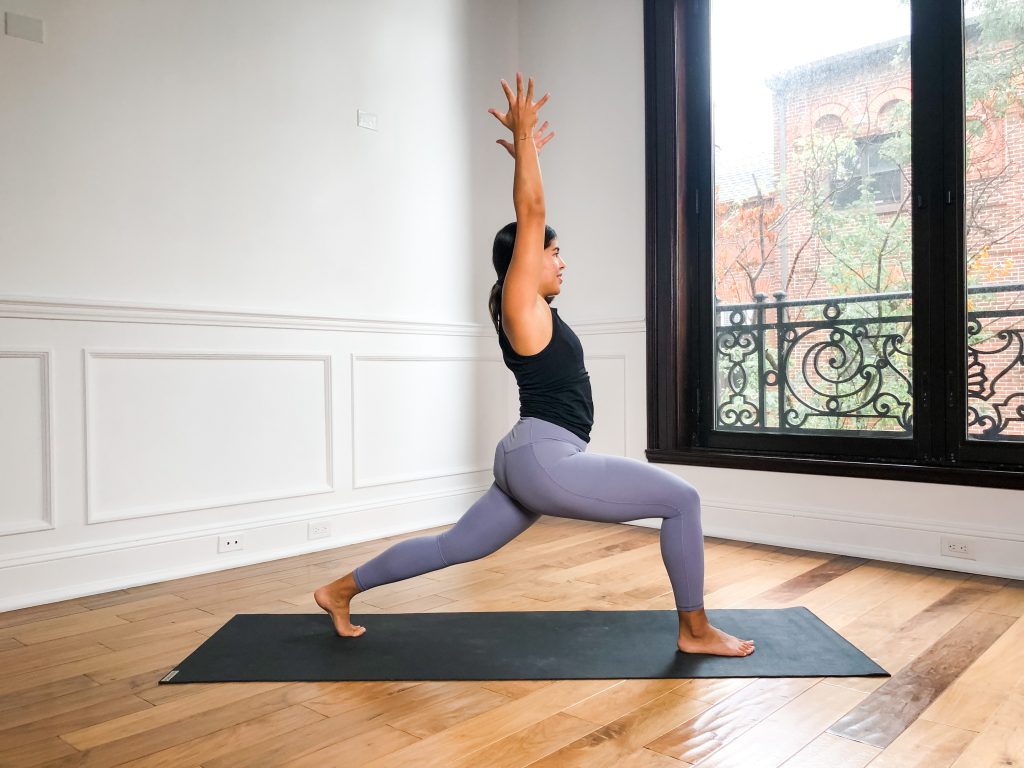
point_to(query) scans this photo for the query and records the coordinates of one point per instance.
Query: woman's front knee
(687, 500)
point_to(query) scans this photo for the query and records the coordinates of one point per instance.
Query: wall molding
(924, 525)
(880, 554)
(91, 506)
(48, 521)
(49, 308)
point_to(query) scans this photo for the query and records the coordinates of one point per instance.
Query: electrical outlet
(954, 547)
(229, 542)
(320, 530)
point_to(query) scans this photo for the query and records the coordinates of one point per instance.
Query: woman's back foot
(335, 598)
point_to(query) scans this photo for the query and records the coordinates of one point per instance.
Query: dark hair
(501, 256)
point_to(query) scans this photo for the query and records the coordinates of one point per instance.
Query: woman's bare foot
(334, 598)
(696, 635)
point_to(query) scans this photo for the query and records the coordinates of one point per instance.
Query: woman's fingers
(522, 112)
(545, 140)
(503, 119)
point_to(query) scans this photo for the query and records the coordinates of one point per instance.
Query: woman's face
(553, 267)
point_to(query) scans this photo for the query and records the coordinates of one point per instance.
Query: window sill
(950, 474)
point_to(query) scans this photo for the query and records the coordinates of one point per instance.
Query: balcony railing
(844, 362)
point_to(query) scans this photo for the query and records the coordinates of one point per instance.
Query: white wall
(207, 154)
(225, 308)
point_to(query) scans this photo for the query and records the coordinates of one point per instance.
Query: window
(870, 171)
(836, 253)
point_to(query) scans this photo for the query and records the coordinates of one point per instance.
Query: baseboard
(999, 553)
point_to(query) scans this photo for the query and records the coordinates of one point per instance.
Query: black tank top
(553, 384)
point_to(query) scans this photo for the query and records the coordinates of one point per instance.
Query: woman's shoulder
(530, 333)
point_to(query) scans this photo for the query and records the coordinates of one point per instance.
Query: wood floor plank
(848, 598)
(226, 740)
(1009, 601)
(891, 709)
(1001, 741)
(52, 726)
(787, 730)
(899, 628)
(37, 613)
(355, 749)
(482, 730)
(528, 745)
(608, 744)
(810, 580)
(994, 747)
(99, 668)
(26, 658)
(171, 729)
(925, 745)
(719, 725)
(453, 707)
(44, 691)
(152, 717)
(970, 700)
(747, 590)
(73, 624)
(834, 752)
(34, 753)
(621, 699)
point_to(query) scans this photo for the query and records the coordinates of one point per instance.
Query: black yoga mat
(516, 645)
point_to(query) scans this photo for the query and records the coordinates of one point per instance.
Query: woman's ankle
(693, 623)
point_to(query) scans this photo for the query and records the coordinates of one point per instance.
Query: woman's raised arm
(521, 119)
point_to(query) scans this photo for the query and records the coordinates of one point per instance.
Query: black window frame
(680, 289)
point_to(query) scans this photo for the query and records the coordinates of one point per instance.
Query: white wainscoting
(134, 435)
(26, 448)
(170, 432)
(174, 425)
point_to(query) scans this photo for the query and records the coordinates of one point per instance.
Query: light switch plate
(366, 120)
(24, 27)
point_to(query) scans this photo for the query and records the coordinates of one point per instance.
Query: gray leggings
(541, 468)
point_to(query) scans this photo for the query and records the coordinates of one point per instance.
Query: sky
(753, 40)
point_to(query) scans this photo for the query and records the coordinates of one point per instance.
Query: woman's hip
(531, 429)
(541, 470)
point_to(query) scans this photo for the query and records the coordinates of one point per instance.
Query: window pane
(812, 239)
(993, 216)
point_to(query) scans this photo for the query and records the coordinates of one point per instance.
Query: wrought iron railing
(844, 362)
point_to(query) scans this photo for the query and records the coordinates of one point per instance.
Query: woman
(541, 466)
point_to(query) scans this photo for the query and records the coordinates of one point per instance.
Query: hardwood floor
(78, 679)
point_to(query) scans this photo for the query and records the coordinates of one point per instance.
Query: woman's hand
(521, 117)
(538, 142)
